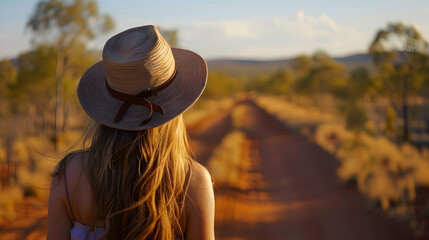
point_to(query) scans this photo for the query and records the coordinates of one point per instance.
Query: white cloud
(277, 36)
(310, 27)
(228, 29)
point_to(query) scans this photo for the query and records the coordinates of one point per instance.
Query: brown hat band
(140, 99)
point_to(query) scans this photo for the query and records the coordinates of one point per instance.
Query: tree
(390, 127)
(401, 54)
(66, 26)
(280, 83)
(301, 65)
(33, 93)
(325, 76)
(362, 84)
(36, 79)
(7, 78)
(171, 36)
(222, 85)
(258, 83)
(354, 113)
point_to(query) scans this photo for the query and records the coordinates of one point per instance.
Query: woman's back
(199, 204)
(135, 177)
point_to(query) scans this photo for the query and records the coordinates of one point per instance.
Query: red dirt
(295, 193)
(31, 221)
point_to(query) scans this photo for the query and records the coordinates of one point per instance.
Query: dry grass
(35, 184)
(383, 170)
(226, 163)
(237, 116)
(8, 200)
(301, 119)
(36, 160)
(229, 164)
(203, 108)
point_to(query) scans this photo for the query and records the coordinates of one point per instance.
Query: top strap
(68, 196)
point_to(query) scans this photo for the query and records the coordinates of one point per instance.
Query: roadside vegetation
(374, 120)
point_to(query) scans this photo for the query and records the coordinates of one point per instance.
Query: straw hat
(141, 82)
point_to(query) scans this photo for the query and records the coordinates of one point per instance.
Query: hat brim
(187, 87)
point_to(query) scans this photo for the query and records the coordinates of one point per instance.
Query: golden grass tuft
(226, 163)
(238, 115)
(204, 108)
(296, 117)
(8, 199)
(383, 170)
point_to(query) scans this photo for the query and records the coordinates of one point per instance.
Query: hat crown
(137, 59)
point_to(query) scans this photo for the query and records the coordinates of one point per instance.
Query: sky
(244, 29)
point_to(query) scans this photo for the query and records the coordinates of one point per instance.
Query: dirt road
(294, 191)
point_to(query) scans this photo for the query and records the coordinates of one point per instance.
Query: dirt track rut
(294, 191)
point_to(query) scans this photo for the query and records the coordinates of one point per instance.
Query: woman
(136, 180)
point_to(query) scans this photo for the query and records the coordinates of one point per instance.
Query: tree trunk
(405, 108)
(65, 115)
(31, 120)
(58, 97)
(8, 146)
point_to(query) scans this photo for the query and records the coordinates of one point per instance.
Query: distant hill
(356, 60)
(248, 67)
(255, 67)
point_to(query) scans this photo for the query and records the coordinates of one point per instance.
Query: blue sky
(266, 29)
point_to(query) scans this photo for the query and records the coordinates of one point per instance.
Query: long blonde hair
(138, 180)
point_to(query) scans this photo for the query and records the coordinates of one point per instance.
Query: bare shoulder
(200, 205)
(59, 215)
(75, 162)
(65, 168)
(200, 177)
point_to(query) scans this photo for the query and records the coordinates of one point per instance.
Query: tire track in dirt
(295, 193)
(30, 222)
(207, 133)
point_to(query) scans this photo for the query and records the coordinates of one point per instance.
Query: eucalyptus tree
(400, 54)
(66, 27)
(8, 75)
(325, 76)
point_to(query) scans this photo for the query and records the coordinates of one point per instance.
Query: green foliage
(65, 27)
(301, 65)
(75, 70)
(171, 36)
(36, 83)
(36, 76)
(362, 84)
(390, 120)
(69, 21)
(400, 54)
(397, 37)
(281, 83)
(258, 83)
(7, 77)
(222, 85)
(354, 114)
(326, 76)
